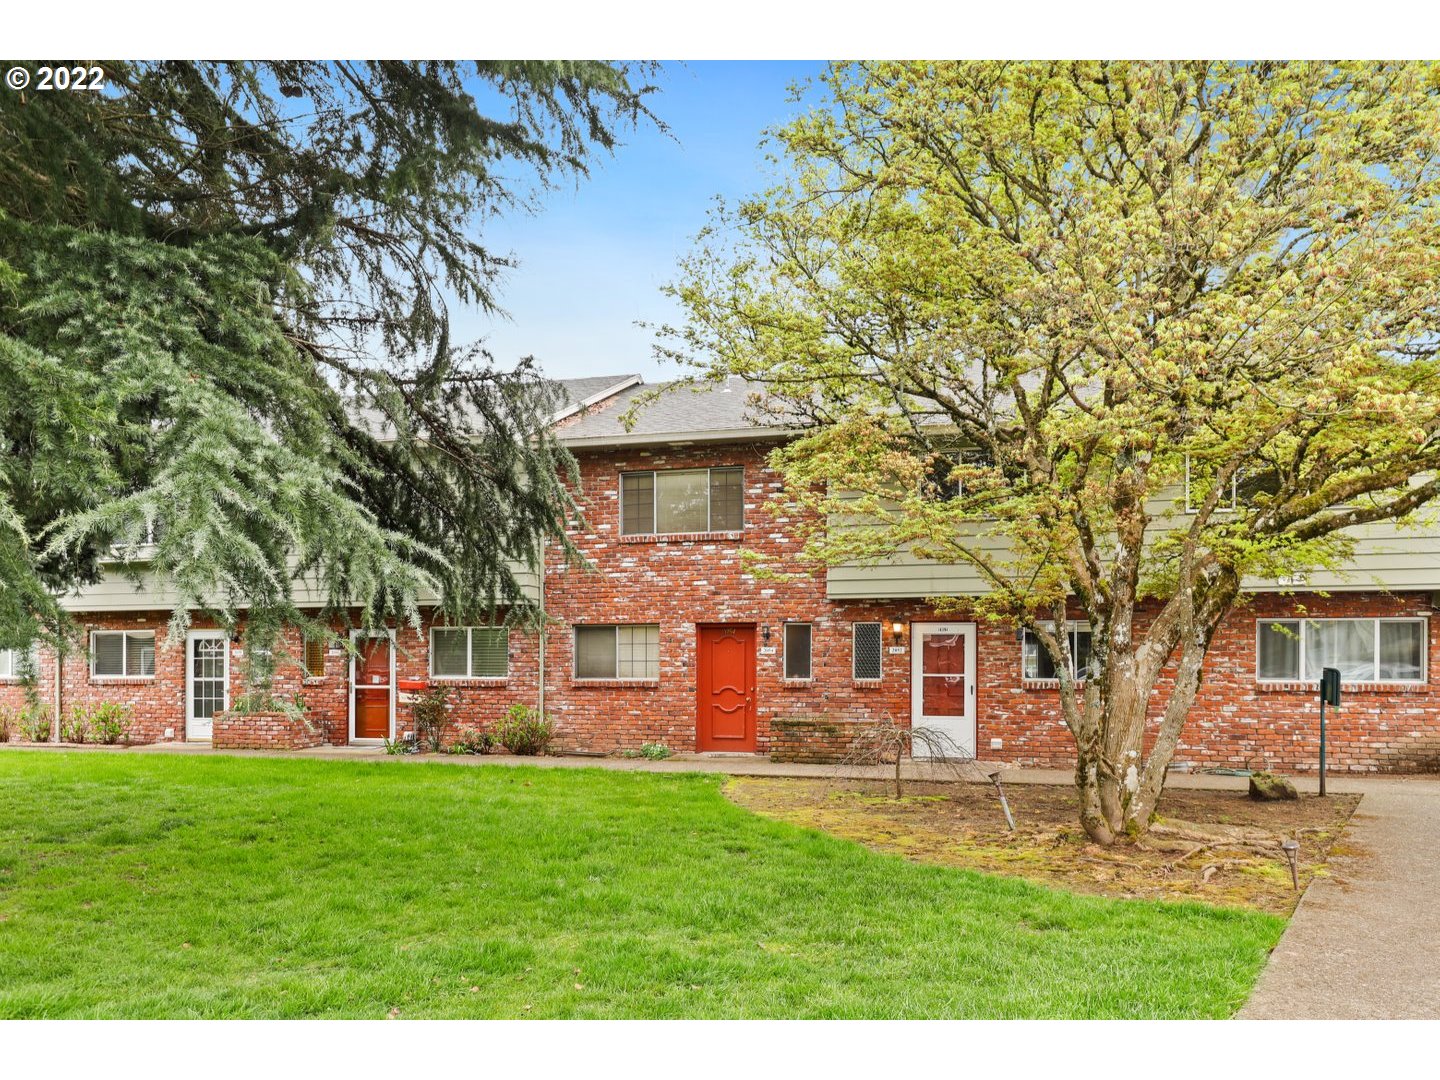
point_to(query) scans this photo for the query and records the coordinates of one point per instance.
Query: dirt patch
(963, 825)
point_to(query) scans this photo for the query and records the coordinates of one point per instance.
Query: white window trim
(469, 654)
(124, 653)
(1071, 627)
(1261, 624)
(13, 658)
(785, 652)
(654, 475)
(855, 653)
(1191, 508)
(575, 629)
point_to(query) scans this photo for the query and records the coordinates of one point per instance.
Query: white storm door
(942, 683)
(207, 680)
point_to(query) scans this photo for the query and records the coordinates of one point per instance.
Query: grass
(148, 886)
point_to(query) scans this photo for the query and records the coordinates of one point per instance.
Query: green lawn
(150, 886)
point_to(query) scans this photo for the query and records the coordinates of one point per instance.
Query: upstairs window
(682, 501)
(1036, 662)
(866, 650)
(797, 650)
(617, 652)
(469, 652)
(1364, 650)
(122, 653)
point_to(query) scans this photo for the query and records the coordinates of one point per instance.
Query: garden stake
(1292, 853)
(1004, 802)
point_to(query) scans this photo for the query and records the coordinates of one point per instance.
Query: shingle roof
(708, 412)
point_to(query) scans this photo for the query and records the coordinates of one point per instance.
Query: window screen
(1279, 650)
(867, 650)
(448, 652)
(682, 501)
(638, 652)
(315, 657)
(637, 503)
(122, 652)
(489, 652)
(727, 500)
(797, 650)
(595, 652)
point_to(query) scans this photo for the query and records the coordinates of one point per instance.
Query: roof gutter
(679, 438)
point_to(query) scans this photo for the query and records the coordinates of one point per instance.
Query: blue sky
(592, 261)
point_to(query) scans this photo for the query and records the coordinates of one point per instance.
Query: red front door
(725, 686)
(372, 688)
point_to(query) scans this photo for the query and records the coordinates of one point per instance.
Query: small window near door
(12, 663)
(469, 652)
(122, 653)
(617, 652)
(314, 658)
(1036, 661)
(797, 650)
(866, 650)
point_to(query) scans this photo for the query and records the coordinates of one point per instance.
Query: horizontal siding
(1386, 556)
(116, 592)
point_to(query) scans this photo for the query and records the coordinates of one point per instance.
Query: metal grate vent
(867, 650)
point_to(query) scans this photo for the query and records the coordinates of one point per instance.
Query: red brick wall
(679, 583)
(263, 731)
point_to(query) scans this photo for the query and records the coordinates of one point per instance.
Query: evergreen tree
(224, 341)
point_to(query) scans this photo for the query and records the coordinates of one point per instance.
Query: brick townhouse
(669, 639)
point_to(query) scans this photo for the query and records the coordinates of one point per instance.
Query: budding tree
(1014, 305)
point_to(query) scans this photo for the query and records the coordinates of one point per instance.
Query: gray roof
(674, 412)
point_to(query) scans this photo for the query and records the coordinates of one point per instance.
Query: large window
(469, 652)
(122, 652)
(797, 650)
(1365, 650)
(682, 501)
(1036, 662)
(866, 650)
(617, 652)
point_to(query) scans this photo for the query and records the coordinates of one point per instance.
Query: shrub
(523, 731)
(35, 723)
(402, 745)
(654, 751)
(9, 723)
(472, 741)
(110, 723)
(432, 716)
(77, 728)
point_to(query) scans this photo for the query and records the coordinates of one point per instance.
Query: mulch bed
(960, 824)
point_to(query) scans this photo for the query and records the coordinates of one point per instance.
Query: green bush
(431, 711)
(9, 723)
(472, 741)
(110, 723)
(523, 731)
(77, 728)
(35, 723)
(655, 751)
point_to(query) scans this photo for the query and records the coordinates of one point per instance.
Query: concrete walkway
(1365, 942)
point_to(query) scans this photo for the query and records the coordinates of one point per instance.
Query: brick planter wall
(263, 731)
(816, 741)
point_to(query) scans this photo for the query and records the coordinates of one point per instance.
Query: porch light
(1292, 855)
(898, 629)
(765, 633)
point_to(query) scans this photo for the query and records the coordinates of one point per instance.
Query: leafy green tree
(224, 341)
(1013, 304)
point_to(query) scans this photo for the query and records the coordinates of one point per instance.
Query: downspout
(59, 668)
(540, 691)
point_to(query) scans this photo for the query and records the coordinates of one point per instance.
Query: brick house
(669, 638)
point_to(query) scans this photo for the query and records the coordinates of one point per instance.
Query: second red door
(725, 688)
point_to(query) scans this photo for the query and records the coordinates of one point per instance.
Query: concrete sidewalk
(1364, 943)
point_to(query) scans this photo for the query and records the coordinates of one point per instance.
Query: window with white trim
(797, 650)
(1036, 662)
(682, 501)
(1364, 650)
(866, 650)
(12, 662)
(617, 652)
(122, 653)
(469, 652)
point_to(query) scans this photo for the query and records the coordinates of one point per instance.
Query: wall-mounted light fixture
(897, 628)
(765, 633)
